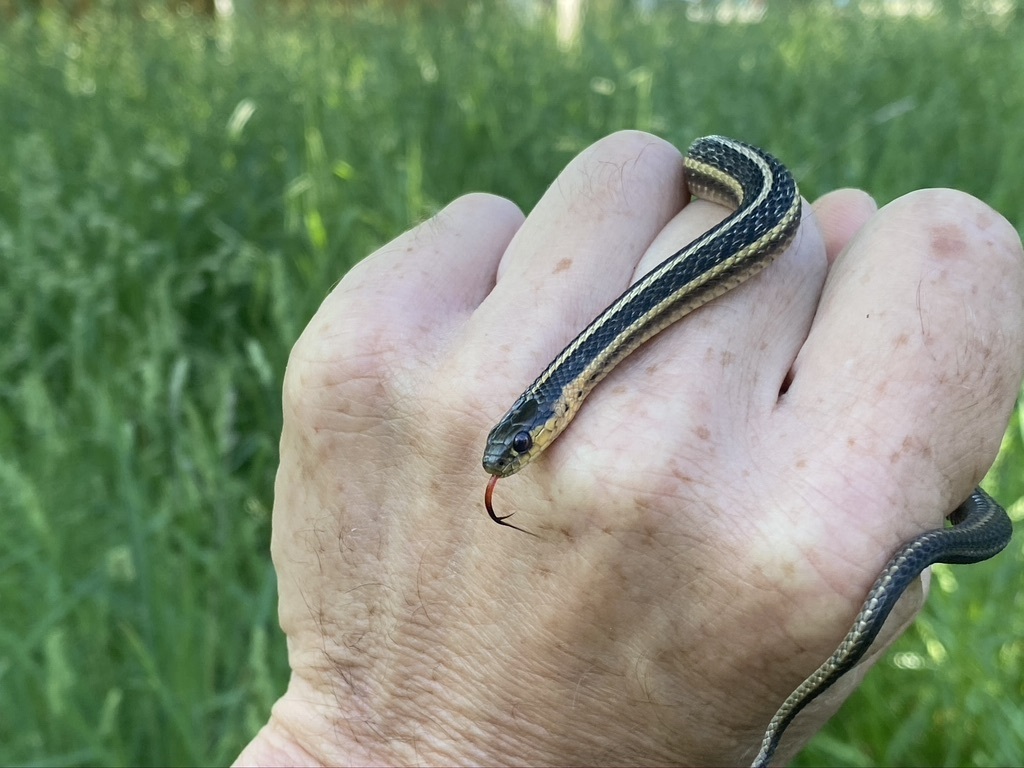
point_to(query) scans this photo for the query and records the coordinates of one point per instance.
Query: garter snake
(766, 216)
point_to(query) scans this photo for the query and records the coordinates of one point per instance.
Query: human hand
(704, 541)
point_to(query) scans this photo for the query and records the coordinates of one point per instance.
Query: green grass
(176, 199)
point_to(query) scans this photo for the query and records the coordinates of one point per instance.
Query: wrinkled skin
(708, 525)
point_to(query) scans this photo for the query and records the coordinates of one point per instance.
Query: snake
(765, 215)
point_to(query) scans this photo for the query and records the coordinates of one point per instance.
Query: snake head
(512, 443)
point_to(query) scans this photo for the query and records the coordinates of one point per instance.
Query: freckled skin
(644, 620)
(681, 284)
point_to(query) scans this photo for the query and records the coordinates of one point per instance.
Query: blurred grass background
(177, 195)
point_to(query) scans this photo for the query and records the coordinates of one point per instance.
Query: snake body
(766, 217)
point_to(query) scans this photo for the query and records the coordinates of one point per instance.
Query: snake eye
(522, 442)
